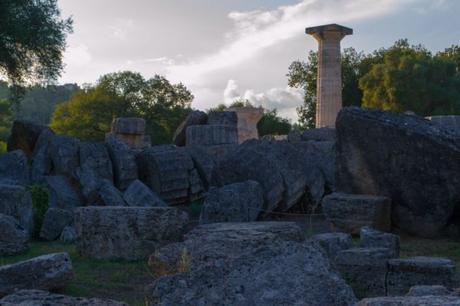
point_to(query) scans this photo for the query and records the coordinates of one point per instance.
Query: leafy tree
(6, 120)
(38, 102)
(304, 75)
(411, 78)
(272, 124)
(89, 113)
(32, 40)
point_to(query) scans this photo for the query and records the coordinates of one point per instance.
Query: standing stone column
(329, 84)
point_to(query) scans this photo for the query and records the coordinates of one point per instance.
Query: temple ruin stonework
(329, 84)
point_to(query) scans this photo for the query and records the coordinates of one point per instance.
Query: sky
(224, 50)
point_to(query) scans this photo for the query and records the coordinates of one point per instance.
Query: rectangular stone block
(414, 271)
(129, 233)
(350, 212)
(206, 135)
(364, 269)
(371, 238)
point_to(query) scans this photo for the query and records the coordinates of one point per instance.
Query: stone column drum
(329, 84)
(248, 117)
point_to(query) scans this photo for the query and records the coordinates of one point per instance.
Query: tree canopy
(411, 78)
(89, 113)
(32, 40)
(400, 78)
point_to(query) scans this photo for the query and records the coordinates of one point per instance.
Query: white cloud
(285, 100)
(255, 31)
(121, 28)
(77, 56)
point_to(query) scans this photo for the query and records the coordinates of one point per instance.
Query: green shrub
(2, 147)
(40, 205)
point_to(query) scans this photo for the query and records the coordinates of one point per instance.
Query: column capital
(329, 31)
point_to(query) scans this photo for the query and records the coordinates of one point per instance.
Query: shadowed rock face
(406, 158)
(256, 263)
(24, 135)
(39, 297)
(47, 272)
(13, 238)
(129, 233)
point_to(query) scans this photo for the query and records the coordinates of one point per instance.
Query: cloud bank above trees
(214, 47)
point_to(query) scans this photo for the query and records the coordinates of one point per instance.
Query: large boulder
(365, 269)
(95, 169)
(319, 134)
(129, 233)
(123, 161)
(62, 193)
(451, 122)
(13, 237)
(405, 273)
(278, 166)
(238, 202)
(14, 168)
(41, 160)
(64, 153)
(194, 118)
(16, 201)
(170, 172)
(250, 264)
(350, 212)
(47, 272)
(204, 163)
(42, 298)
(139, 195)
(54, 221)
(24, 135)
(407, 158)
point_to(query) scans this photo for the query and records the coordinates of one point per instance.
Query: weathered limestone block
(406, 158)
(139, 195)
(47, 272)
(169, 172)
(238, 202)
(319, 134)
(322, 155)
(364, 269)
(408, 272)
(24, 135)
(16, 201)
(54, 222)
(64, 155)
(131, 131)
(423, 290)
(223, 118)
(371, 238)
(350, 212)
(204, 163)
(279, 167)
(41, 298)
(129, 233)
(194, 118)
(68, 235)
(109, 195)
(430, 300)
(207, 135)
(14, 168)
(62, 194)
(123, 161)
(13, 237)
(230, 255)
(333, 243)
(248, 117)
(41, 159)
(96, 167)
